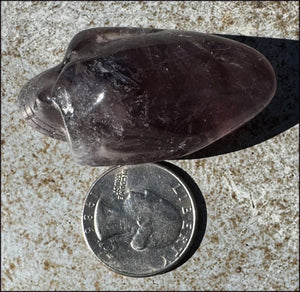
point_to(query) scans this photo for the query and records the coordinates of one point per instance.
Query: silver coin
(139, 220)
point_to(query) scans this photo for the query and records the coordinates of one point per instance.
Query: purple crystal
(131, 95)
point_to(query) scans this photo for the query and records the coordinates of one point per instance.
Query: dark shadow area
(283, 111)
(201, 218)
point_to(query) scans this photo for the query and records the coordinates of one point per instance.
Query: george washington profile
(151, 221)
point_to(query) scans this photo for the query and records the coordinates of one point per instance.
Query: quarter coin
(139, 220)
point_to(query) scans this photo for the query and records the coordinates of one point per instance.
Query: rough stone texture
(251, 240)
(130, 95)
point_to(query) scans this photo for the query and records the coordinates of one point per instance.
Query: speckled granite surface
(251, 239)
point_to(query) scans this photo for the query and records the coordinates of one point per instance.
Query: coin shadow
(283, 111)
(201, 218)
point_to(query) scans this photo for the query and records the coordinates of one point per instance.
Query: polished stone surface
(132, 95)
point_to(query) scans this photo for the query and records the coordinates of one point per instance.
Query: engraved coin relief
(139, 220)
(153, 221)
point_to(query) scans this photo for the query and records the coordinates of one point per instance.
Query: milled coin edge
(189, 243)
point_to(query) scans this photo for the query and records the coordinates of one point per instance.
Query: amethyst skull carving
(132, 95)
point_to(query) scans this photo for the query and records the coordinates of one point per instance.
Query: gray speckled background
(251, 240)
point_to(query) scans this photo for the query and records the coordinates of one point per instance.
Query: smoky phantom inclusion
(133, 95)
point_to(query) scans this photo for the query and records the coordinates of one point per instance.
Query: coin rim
(189, 243)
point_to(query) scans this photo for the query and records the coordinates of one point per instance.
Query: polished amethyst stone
(132, 95)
